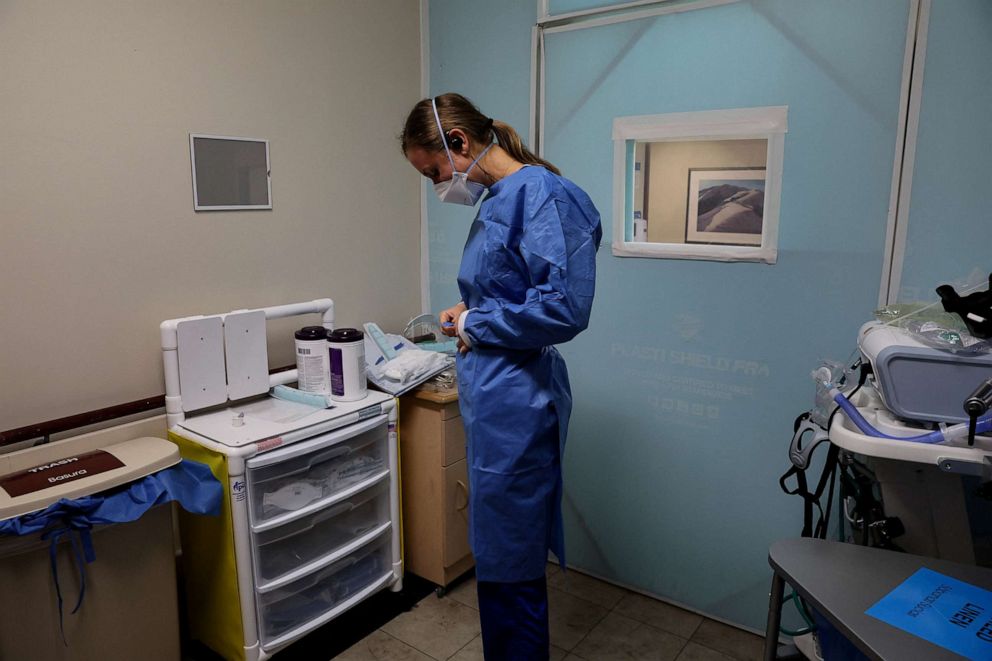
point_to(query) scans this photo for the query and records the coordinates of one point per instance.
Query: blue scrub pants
(515, 620)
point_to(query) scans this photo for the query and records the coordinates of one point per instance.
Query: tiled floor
(590, 621)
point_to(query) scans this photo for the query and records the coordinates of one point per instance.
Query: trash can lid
(34, 478)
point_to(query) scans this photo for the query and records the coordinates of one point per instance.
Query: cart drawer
(300, 484)
(307, 540)
(290, 607)
(456, 545)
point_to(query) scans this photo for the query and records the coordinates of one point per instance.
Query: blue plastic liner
(189, 483)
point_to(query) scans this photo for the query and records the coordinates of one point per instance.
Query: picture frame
(726, 206)
(230, 173)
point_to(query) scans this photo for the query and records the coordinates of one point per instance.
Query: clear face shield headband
(458, 189)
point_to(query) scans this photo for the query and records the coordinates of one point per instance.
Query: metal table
(842, 581)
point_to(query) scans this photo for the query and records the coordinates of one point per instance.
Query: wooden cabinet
(435, 487)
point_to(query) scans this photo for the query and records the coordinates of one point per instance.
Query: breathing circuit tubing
(951, 433)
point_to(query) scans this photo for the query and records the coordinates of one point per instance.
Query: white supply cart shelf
(311, 520)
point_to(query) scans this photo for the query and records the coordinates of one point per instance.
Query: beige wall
(669, 178)
(98, 238)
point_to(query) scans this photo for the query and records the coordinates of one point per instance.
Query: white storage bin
(301, 478)
(296, 605)
(305, 541)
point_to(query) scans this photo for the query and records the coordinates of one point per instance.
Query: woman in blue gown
(527, 280)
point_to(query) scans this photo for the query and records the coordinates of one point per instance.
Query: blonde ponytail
(455, 111)
(511, 143)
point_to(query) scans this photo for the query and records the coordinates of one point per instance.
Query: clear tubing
(939, 436)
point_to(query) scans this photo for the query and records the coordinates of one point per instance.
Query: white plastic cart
(310, 524)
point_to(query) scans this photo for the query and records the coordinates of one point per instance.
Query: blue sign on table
(943, 610)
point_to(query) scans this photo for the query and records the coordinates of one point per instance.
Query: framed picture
(726, 206)
(230, 173)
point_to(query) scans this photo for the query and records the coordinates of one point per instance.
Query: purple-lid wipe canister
(347, 352)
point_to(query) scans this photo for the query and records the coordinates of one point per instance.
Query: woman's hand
(449, 319)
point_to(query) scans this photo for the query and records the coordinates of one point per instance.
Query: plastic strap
(82, 551)
(801, 426)
(800, 454)
(444, 138)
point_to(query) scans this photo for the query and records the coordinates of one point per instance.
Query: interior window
(699, 185)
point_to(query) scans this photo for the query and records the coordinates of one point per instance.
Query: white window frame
(768, 123)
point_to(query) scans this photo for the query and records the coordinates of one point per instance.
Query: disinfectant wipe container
(312, 360)
(347, 364)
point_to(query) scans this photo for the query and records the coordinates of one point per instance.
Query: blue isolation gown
(528, 276)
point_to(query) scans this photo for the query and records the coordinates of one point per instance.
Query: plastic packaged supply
(413, 364)
(293, 496)
(933, 327)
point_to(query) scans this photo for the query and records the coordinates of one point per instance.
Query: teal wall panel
(949, 233)
(690, 374)
(482, 50)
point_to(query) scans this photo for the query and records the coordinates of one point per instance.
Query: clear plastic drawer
(294, 606)
(301, 478)
(307, 540)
